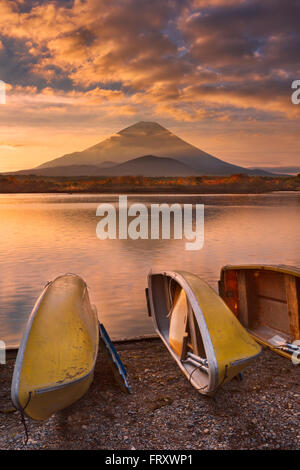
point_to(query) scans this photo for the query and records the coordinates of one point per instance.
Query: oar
(114, 357)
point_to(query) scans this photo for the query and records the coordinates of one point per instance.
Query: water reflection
(43, 236)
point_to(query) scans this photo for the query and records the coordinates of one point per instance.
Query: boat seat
(178, 322)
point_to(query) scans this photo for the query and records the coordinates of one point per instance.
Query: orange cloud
(87, 63)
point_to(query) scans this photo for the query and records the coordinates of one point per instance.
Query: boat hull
(221, 344)
(58, 351)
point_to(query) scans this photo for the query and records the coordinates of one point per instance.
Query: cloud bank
(179, 60)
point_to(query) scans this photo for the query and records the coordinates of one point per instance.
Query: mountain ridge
(148, 138)
(150, 165)
(147, 165)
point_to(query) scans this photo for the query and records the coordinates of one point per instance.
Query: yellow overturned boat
(199, 330)
(58, 351)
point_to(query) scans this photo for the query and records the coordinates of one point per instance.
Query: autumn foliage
(238, 183)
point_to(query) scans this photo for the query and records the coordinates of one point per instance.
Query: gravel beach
(164, 411)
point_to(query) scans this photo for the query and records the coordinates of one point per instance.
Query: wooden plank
(191, 320)
(243, 297)
(293, 306)
(271, 284)
(184, 347)
(274, 314)
(178, 323)
(265, 333)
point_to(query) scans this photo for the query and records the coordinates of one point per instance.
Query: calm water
(45, 235)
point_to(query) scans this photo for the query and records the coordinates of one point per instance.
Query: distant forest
(238, 184)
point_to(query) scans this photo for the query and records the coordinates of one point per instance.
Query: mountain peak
(144, 127)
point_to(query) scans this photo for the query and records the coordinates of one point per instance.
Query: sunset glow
(217, 73)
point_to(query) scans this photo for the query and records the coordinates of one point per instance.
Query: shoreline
(164, 412)
(154, 192)
(11, 352)
(234, 184)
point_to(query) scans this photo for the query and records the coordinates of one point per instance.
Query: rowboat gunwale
(280, 268)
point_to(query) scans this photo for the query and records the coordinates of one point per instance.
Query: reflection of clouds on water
(41, 239)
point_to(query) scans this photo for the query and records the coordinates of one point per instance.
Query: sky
(217, 73)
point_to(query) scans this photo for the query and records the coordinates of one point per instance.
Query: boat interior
(178, 327)
(265, 301)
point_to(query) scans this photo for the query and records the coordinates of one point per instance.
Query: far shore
(234, 184)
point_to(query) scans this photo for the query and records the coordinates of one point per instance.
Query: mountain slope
(68, 171)
(280, 170)
(146, 166)
(150, 166)
(148, 138)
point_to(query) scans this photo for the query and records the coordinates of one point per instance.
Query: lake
(45, 235)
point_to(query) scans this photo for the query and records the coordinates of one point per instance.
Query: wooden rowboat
(266, 300)
(199, 330)
(58, 351)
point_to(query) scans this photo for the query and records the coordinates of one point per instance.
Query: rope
(23, 419)
(206, 386)
(190, 379)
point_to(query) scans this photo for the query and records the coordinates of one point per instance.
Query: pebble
(105, 418)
